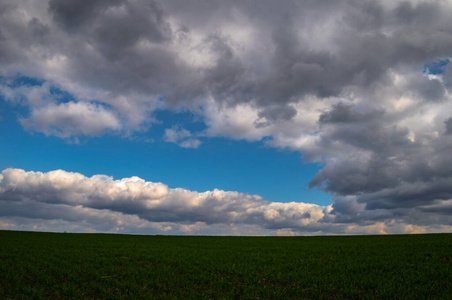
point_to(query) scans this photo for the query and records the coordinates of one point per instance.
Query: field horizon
(101, 265)
(220, 235)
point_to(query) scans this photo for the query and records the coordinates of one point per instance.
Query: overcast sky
(226, 117)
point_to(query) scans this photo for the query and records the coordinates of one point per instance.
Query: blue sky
(232, 165)
(291, 118)
(436, 67)
(247, 167)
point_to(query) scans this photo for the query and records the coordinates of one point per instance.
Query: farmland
(67, 265)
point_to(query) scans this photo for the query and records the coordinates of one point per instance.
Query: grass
(63, 266)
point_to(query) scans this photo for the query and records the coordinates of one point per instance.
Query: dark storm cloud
(422, 13)
(345, 113)
(112, 26)
(74, 14)
(116, 30)
(432, 90)
(448, 124)
(382, 159)
(276, 113)
(385, 166)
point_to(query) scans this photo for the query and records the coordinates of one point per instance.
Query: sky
(226, 117)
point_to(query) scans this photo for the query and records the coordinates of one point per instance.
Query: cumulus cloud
(100, 203)
(362, 87)
(72, 119)
(70, 196)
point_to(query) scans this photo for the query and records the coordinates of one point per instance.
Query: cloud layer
(100, 203)
(362, 87)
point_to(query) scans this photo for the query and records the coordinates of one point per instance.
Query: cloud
(100, 203)
(51, 116)
(448, 124)
(361, 87)
(181, 137)
(72, 119)
(64, 195)
(174, 135)
(190, 143)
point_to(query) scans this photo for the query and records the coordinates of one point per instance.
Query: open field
(64, 265)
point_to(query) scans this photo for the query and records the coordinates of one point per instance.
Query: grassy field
(63, 265)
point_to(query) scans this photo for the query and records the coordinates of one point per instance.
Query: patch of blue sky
(179, 119)
(437, 67)
(21, 81)
(58, 94)
(278, 175)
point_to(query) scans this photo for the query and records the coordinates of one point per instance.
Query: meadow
(40, 265)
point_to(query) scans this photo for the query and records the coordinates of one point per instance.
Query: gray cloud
(73, 14)
(132, 34)
(448, 124)
(429, 90)
(139, 47)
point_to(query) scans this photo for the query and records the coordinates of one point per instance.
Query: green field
(63, 265)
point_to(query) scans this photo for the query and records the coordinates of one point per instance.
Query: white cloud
(181, 137)
(60, 200)
(190, 143)
(72, 196)
(72, 119)
(174, 135)
(236, 122)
